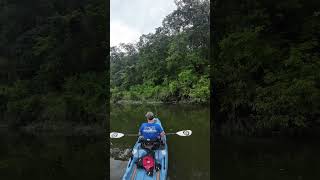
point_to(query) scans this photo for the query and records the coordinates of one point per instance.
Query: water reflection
(115, 167)
(189, 157)
(51, 157)
(266, 158)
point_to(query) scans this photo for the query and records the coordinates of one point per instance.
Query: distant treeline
(266, 65)
(52, 62)
(170, 65)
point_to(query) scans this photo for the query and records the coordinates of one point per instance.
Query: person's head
(149, 116)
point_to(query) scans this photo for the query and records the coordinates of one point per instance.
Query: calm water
(189, 157)
(266, 159)
(48, 157)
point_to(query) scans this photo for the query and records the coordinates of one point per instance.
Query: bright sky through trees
(129, 19)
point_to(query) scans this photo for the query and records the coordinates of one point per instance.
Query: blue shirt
(150, 130)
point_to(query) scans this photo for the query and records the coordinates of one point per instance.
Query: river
(51, 157)
(189, 157)
(276, 158)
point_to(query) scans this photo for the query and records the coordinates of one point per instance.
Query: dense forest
(265, 65)
(52, 63)
(170, 65)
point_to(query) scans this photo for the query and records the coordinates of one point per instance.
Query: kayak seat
(152, 144)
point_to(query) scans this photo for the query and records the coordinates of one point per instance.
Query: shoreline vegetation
(64, 129)
(265, 68)
(269, 133)
(53, 66)
(168, 66)
(146, 101)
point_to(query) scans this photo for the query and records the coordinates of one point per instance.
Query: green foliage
(200, 92)
(266, 65)
(52, 66)
(86, 94)
(169, 65)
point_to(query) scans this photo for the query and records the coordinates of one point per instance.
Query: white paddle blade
(184, 133)
(116, 135)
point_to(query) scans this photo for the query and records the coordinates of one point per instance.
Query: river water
(276, 158)
(189, 157)
(51, 157)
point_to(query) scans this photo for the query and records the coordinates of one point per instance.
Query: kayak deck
(161, 156)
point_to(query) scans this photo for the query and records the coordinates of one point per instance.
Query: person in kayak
(150, 130)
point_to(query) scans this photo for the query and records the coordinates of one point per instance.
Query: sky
(129, 19)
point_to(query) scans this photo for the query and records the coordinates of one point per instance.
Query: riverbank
(62, 128)
(265, 133)
(159, 102)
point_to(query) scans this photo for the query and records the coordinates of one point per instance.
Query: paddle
(116, 135)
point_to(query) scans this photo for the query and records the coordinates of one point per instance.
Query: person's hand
(162, 140)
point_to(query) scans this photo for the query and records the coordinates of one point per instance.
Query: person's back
(151, 130)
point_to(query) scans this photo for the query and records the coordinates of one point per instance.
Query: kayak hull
(161, 156)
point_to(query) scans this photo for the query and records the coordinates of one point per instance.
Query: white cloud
(121, 33)
(129, 19)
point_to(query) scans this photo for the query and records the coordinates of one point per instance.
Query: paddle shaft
(179, 133)
(138, 134)
(170, 133)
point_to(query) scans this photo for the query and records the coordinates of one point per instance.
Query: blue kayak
(133, 172)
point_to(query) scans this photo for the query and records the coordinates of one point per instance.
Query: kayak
(134, 172)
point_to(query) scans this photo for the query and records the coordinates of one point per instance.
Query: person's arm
(162, 133)
(140, 131)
